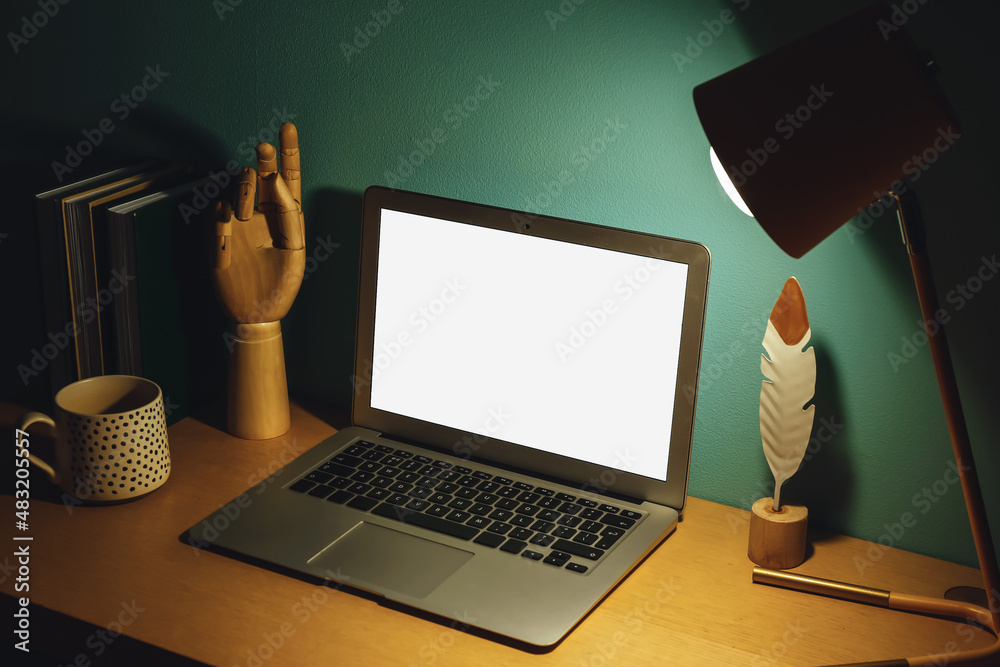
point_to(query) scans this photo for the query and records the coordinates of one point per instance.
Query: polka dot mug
(110, 438)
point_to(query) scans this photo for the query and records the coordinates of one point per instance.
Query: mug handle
(22, 425)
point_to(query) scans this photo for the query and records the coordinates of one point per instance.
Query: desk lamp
(802, 139)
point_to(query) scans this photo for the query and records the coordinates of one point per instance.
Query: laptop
(524, 400)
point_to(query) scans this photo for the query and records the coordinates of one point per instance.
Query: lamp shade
(814, 131)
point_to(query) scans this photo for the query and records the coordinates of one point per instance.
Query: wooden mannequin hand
(260, 252)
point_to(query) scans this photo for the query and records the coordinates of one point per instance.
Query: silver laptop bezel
(584, 475)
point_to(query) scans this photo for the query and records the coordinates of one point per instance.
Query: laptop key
(426, 521)
(480, 509)
(570, 508)
(321, 491)
(487, 498)
(608, 508)
(468, 480)
(362, 503)
(373, 455)
(340, 497)
(508, 492)
(523, 486)
(488, 487)
(520, 534)
(400, 487)
(441, 499)
(547, 515)
(370, 466)
(587, 503)
(447, 487)
(422, 459)
(581, 550)
(482, 474)
(564, 532)
(549, 503)
(385, 449)
(542, 526)
(542, 540)
(500, 515)
(533, 555)
(629, 514)
(500, 528)
(365, 444)
(543, 491)
(455, 504)
(513, 546)
(359, 487)
(467, 493)
(590, 514)
(362, 476)
(398, 499)
(419, 505)
(337, 469)
(521, 521)
(407, 477)
(576, 567)
(480, 522)
(503, 480)
(302, 485)
(605, 542)
(378, 494)
(490, 539)
(506, 504)
(617, 521)
(571, 521)
(557, 558)
(590, 526)
(355, 450)
(427, 482)
(442, 464)
(459, 516)
(319, 477)
(527, 510)
(380, 481)
(586, 538)
(438, 510)
(462, 470)
(565, 497)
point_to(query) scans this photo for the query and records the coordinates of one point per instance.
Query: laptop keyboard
(511, 515)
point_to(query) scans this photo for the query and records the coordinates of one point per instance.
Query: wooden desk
(691, 603)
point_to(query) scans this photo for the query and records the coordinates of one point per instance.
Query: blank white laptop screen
(563, 348)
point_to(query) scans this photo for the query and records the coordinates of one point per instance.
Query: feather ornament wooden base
(777, 539)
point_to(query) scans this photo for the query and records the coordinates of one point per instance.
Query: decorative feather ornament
(785, 422)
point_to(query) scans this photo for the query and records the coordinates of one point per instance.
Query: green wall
(580, 109)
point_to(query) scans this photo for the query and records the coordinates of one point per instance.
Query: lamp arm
(913, 237)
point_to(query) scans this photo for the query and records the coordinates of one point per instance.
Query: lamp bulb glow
(727, 183)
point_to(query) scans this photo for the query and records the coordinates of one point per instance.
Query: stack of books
(125, 275)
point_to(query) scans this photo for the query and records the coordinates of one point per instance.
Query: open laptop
(523, 409)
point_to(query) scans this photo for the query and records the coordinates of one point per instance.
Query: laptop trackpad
(373, 554)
